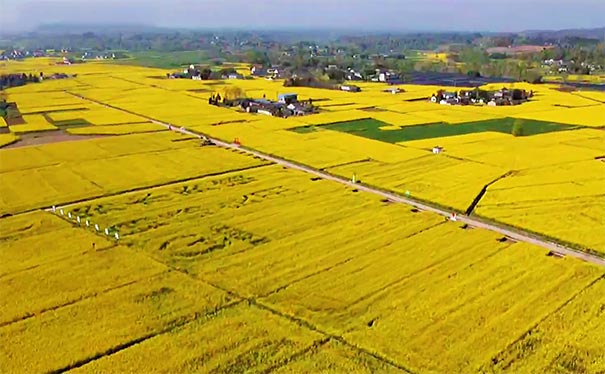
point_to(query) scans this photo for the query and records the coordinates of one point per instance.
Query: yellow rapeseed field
(123, 129)
(33, 123)
(62, 172)
(6, 139)
(346, 263)
(226, 263)
(98, 115)
(263, 341)
(579, 349)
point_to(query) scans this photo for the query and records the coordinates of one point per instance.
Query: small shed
(393, 90)
(350, 88)
(437, 149)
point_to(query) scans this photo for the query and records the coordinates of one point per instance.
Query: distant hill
(595, 33)
(75, 28)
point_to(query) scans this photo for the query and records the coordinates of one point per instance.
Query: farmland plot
(568, 340)
(228, 264)
(428, 292)
(157, 304)
(240, 211)
(263, 341)
(54, 180)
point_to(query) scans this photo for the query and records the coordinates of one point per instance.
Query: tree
(336, 75)
(518, 128)
(258, 57)
(205, 73)
(234, 92)
(227, 71)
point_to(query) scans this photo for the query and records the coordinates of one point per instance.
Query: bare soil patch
(48, 137)
(14, 121)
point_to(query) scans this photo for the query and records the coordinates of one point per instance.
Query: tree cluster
(15, 80)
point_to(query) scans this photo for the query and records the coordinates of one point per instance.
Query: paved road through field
(518, 235)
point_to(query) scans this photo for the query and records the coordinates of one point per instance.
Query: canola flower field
(228, 263)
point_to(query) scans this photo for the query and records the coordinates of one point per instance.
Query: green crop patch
(371, 128)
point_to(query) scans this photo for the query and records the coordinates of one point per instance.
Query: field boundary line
(340, 263)
(143, 188)
(252, 301)
(84, 297)
(495, 359)
(170, 326)
(516, 234)
(308, 325)
(410, 276)
(58, 259)
(286, 361)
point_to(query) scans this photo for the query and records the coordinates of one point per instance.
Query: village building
(287, 98)
(503, 96)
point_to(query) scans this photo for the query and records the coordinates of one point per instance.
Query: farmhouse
(387, 76)
(258, 71)
(352, 75)
(287, 98)
(503, 96)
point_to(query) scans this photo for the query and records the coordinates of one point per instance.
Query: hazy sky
(471, 15)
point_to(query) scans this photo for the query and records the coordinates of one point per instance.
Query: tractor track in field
(170, 326)
(501, 356)
(303, 352)
(252, 302)
(144, 188)
(516, 234)
(309, 326)
(336, 265)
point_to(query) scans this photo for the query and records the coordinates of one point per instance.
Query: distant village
(500, 97)
(287, 105)
(563, 66)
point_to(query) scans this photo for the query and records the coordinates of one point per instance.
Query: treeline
(15, 80)
(363, 53)
(169, 41)
(387, 43)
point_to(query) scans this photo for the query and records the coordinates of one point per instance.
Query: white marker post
(107, 231)
(78, 219)
(54, 209)
(69, 215)
(87, 223)
(61, 211)
(117, 236)
(97, 227)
